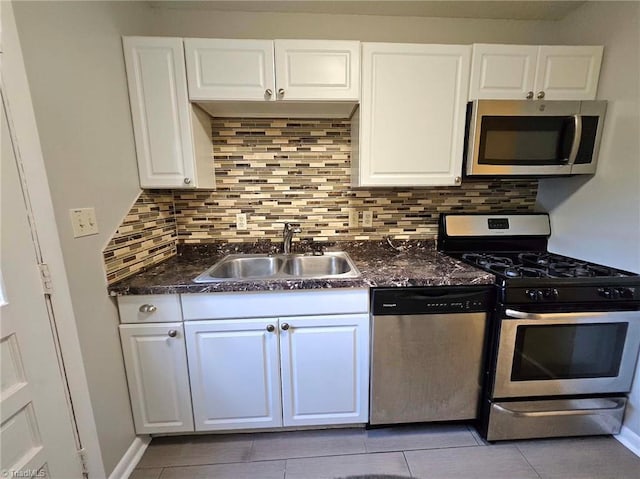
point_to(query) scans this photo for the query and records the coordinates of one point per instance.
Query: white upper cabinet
(412, 115)
(317, 70)
(173, 138)
(533, 72)
(568, 73)
(266, 70)
(230, 69)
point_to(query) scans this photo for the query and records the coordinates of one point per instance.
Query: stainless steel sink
(238, 267)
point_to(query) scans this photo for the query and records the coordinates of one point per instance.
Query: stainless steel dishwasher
(427, 353)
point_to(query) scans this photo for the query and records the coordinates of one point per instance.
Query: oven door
(555, 354)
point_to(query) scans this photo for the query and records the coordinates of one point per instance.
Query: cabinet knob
(147, 308)
(540, 95)
(187, 181)
(281, 92)
(172, 333)
(285, 326)
(271, 328)
(458, 180)
(268, 92)
(529, 95)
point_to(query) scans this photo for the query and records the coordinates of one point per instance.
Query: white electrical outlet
(353, 218)
(241, 221)
(367, 219)
(83, 221)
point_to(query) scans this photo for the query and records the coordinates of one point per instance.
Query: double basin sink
(239, 267)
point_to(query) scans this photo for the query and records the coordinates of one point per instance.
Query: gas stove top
(513, 247)
(538, 264)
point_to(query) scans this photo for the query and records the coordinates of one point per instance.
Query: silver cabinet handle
(271, 328)
(172, 333)
(285, 326)
(458, 180)
(147, 308)
(281, 91)
(540, 95)
(187, 181)
(529, 95)
(268, 92)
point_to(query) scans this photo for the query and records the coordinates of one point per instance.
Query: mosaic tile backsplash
(299, 171)
(277, 170)
(146, 236)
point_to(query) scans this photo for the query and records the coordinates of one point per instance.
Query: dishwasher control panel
(430, 300)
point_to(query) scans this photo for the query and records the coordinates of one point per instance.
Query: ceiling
(514, 10)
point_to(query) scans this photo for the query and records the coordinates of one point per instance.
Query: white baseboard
(131, 458)
(629, 439)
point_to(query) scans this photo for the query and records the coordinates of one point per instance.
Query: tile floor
(427, 452)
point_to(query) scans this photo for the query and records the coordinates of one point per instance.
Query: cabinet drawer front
(274, 303)
(157, 308)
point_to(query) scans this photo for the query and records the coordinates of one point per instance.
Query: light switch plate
(367, 219)
(83, 221)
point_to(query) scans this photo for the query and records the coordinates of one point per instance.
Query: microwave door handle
(577, 137)
(514, 313)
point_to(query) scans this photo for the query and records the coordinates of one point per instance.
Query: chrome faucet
(287, 236)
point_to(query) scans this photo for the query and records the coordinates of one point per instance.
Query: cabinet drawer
(156, 308)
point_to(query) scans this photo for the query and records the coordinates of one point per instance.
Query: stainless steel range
(564, 335)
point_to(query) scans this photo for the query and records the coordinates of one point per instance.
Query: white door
(317, 70)
(235, 373)
(160, 111)
(37, 431)
(325, 369)
(568, 72)
(412, 114)
(155, 358)
(230, 69)
(503, 72)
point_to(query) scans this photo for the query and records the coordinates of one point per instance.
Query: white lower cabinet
(325, 369)
(156, 363)
(235, 366)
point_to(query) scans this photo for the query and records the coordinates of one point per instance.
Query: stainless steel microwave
(533, 138)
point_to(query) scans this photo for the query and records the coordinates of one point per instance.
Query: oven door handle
(563, 412)
(514, 313)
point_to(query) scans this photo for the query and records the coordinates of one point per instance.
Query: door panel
(235, 374)
(325, 364)
(156, 363)
(36, 430)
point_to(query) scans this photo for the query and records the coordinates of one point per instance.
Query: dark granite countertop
(413, 263)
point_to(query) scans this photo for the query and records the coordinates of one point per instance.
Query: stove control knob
(606, 292)
(625, 293)
(534, 294)
(550, 293)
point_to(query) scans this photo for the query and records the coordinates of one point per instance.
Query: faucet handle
(293, 227)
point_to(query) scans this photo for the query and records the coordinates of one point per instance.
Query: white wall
(211, 23)
(598, 218)
(74, 63)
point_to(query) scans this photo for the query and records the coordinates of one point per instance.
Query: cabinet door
(230, 69)
(317, 70)
(156, 363)
(235, 374)
(568, 72)
(325, 369)
(502, 72)
(412, 114)
(160, 111)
